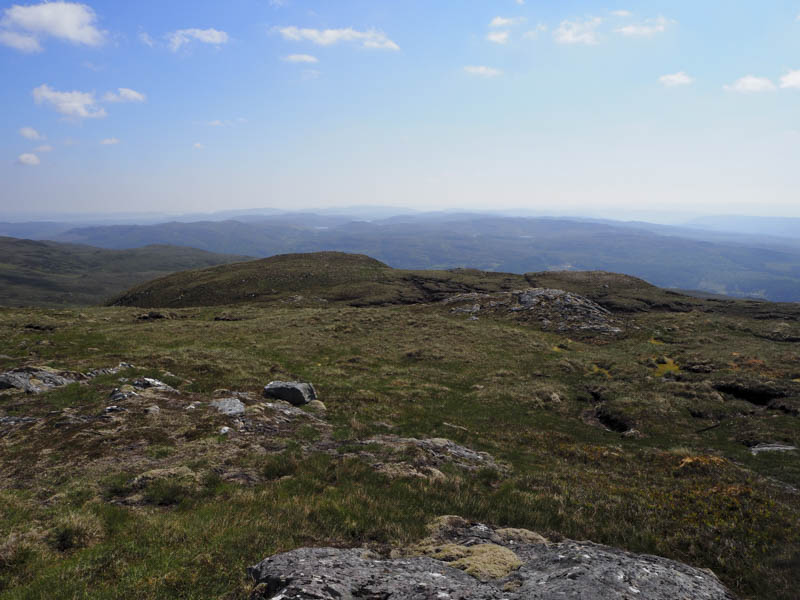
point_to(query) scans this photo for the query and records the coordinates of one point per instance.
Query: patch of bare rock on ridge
(554, 310)
(461, 560)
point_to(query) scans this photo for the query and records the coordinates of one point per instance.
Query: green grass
(72, 524)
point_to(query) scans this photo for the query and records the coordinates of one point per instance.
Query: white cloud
(578, 32)
(520, 2)
(109, 142)
(498, 37)
(482, 71)
(301, 58)
(216, 123)
(29, 160)
(371, 38)
(506, 21)
(181, 37)
(145, 38)
(20, 41)
(646, 28)
(791, 80)
(532, 34)
(44, 148)
(750, 84)
(80, 105)
(22, 27)
(29, 133)
(622, 13)
(676, 79)
(124, 95)
(198, 146)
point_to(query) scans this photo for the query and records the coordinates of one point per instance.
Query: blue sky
(617, 109)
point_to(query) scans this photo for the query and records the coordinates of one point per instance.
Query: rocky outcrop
(462, 560)
(293, 392)
(36, 380)
(554, 310)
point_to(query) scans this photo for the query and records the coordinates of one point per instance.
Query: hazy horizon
(634, 108)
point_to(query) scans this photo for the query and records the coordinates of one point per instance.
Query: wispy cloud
(482, 71)
(24, 27)
(300, 58)
(178, 39)
(198, 146)
(750, 84)
(621, 13)
(43, 148)
(371, 38)
(676, 79)
(29, 133)
(506, 21)
(29, 160)
(498, 37)
(578, 31)
(647, 28)
(109, 142)
(145, 38)
(124, 95)
(79, 105)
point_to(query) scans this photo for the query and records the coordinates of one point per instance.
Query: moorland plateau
(139, 459)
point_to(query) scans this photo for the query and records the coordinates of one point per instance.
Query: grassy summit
(652, 439)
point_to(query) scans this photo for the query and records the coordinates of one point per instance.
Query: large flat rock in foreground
(463, 560)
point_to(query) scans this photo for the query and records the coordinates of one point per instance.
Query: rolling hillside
(34, 273)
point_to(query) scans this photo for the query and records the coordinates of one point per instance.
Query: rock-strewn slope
(468, 560)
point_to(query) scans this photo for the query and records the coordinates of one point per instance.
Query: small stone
(224, 430)
(152, 410)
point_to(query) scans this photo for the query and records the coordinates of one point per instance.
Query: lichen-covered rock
(156, 385)
(229, 406)
(465, 560)
(294, 392)
(35, 380)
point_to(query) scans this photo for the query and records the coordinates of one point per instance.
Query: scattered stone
(229, 406)
(123, 393)
(224, 430)
(463, 560)
(147, 383)
(17, 420)
(153, 410)
(193, 405)
(763, 447)
(555, 310)
(422, 455)
(36, 380)
(110, 370)
(114, 409)
(294, 392)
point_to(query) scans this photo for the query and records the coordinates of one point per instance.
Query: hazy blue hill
(667, 257)
(35, 273)
(788, 227)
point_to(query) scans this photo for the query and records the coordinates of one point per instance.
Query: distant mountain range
(751, 265)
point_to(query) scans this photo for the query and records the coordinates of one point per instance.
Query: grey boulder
(229, 406)
(540, 569)
(293, 392)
